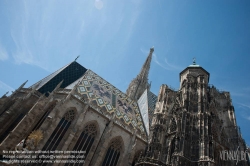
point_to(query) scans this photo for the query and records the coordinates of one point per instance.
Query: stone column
(22, 128)
(128, 157)
(101, 146)
(80, 121)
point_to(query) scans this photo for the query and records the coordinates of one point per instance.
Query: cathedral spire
(140, 83)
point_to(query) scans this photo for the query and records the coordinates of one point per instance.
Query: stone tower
(140, 83)
(194, 125)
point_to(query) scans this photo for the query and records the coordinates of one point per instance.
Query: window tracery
(59, 131)
(173, 126)
(113, 153)
(85, 140)
(70, 115)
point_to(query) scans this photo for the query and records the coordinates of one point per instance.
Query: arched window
(173, 126)
(86, 139)
(113, 153)
(172, 149)
(11, 127)
(59, 131)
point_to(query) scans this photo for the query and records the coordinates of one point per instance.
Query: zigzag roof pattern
(110, 100)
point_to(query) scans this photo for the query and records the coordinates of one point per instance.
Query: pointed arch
(60, 130)
(87, 137)
(173, 126)
(172, 149)
(212, 107)
(214, 132)
(184, 82)
(113, 153)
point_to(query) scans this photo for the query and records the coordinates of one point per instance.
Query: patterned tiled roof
(69, 73)
(110, 99)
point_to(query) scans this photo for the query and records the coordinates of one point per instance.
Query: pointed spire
(18, 89)
(58, 85)
(36, 86)
(77, 57)
(140, 83)
(22, 85)
(146, 66)
(5, 94)
(194, 61)
(56, 88)
(33, 89)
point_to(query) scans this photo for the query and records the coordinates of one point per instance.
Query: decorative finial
(194, 62)
(5, 94)
(152, 49)
(77, 57)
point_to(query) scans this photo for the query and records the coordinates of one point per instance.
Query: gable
(110, 100)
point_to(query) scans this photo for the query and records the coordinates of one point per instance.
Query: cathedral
(76, 110)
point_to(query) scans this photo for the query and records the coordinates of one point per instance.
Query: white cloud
(81, 30)
(245, 111)
(23, 53)
(172, 66)
(232, 93)
(6, 87)
(166, 65)
(155, 59)
(21, 32)
(3, 53)
(244, 105)
(132, 23)
(246, 89)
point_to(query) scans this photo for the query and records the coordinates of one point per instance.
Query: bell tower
(140, 83)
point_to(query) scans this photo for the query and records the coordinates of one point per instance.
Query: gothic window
(172, 149)
(45, 115)
(197, 150)
(113, 153)
(11, 127)
(184, 83)
(86, 139)
(59, 131)
(209, 125)
(173, 126)
(211, 150)
(193, 147)
(214, 132)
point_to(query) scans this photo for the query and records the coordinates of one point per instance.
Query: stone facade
(140, 83)
(87, 114)
(189, 127)
(51, 110)
(194, 125)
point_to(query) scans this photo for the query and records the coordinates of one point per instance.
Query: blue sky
(113, 39)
